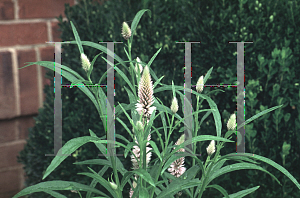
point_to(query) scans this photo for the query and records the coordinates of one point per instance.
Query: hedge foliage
(272, 73)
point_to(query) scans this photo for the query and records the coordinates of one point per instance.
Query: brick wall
(25, 27)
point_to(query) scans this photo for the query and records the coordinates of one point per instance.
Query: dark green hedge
(271, 75)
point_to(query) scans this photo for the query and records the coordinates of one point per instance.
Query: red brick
(23, 34)
(9, 153)
(6, 10)
(12, 182)
(42, 8)
(23, 127)
(7, 93)
(10, 194)
(56, 32)
(7, 130)
(28, 83)
(47, 54)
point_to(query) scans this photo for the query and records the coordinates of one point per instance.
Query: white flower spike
(211, 148)
(174, 105)
(85, 62)
(199, 86)
(140, 65)
(231, 122)
(126, 32)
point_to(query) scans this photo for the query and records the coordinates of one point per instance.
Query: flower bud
(199, 86)
(139, 126)
(174, 105)
(113, 185)
(231, 122)
(180, 140)
(211, 148)
(126, 32)
(140, 66)
(134, 184)
(85, 62)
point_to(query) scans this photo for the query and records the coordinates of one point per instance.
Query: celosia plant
(167, 176)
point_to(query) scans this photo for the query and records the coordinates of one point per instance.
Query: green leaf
(124, 77)
(258, 115)
(237, 166)
(204, 117)
(92, 64)
(156, 83)
(153, 57)
(99, 47)
(57, 185)
(192, 172)
(129, 146)
(207, 75)
(119, 165)
(54, 194)
(100, 146)
(78, 41)
(101, 181)
(212, 104)
(51, 65)
(102, 98)
(155, 149)
(222, 190)
(143, 192)
(162, 115)
(136, 21)
(145, 175)
(133, 124)
(243, 193)
(94, 161)
(104, 76)
(125, 179)
(270, 162)
(70, 147)
(178, 185)
(126, 128)
(197, 139)
(94, 182)
(159, 136)
(118, 109)
(69, 74)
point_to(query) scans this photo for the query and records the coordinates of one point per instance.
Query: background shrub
(271, 78)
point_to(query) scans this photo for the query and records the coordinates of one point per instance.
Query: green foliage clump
(271, 75)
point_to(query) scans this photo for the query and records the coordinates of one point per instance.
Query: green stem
(210, 167)
(170, 132)
(195, 134)
(132, 76)
(113, 162)
(162, 163)
(79, 194)
(144, 160)
(156, 178)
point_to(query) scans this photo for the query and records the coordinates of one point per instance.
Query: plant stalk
(195, 134)
(162, 163)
